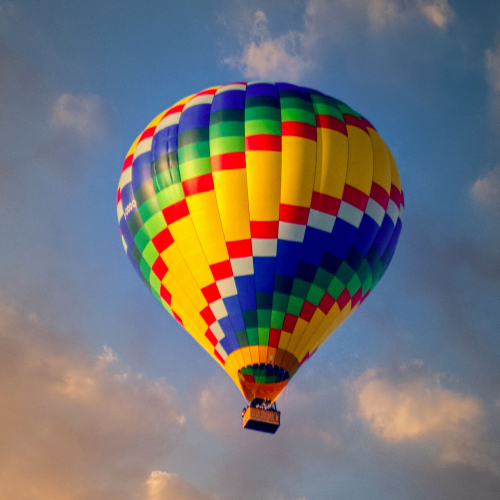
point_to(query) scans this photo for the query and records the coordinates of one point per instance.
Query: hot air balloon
(260, 215)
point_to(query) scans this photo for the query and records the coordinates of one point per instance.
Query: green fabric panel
(226, 129)
(295, 305)
(280, 301)
(192, 136)
(195, 168)
(241, 336)
(167, 178)
(136, 254)
(145, 192)
(297, 103)
(298, 115)
(277, 318)
(155, 224)
(326, 109)
(263, 317)
(141, 239)
(155, 283)
(315, 295)
(300, 288)
(336, 288)
(134, 223)
(354, 285)
(345, 273)
(148, 209)
(261, 113)
(323, 278)
(150, 254)
(250, 319)
(223, 145)
(253, 336)
(170, 195)
(263, 336)
(193, 152)
(268, 127)
(145, 270)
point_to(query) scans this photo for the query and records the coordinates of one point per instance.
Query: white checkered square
(219, 309)
(217, 331)
(350, 214)
(393, 211)
(375, 211)
(321, 221)
(227, 287)
(291, 232)
(242, 266)
(262, 247)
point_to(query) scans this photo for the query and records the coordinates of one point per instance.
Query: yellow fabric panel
(264, 180)
(299, 329)
(284, 340)
(395, 179)
(238, 359)
(205, 215)
(189, 246)
(381, 161)
(177, 266)
(232, 199)
(254, 353)
(360, 160)
(245, 351)
(331, 166)
(230, 367)
(298, 163)
(311, 330)
(271, 355)
(178, 295)
(262, 353)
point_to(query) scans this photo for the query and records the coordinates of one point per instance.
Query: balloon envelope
(260, 215)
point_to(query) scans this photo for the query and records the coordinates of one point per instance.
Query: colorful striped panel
(260, 215)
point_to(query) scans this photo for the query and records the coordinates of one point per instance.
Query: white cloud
(266, 57)
(438, 12)
(75, 426)
(83, 114)
(168, 486)
(398, 411)
(291, 55)
(486, 189)
(412, 407)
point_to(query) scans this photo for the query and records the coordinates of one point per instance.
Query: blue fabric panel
(231, 99)
(159, 146)
(196, 117)
(262, 89)
(366, 234)
(341, 238)
(264, 271)
(141, 171)
(384, 234)
(246, 292)
(315, 243)
(287, 257)
(234, 310)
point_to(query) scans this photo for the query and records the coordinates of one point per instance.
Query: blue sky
(105, 396)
